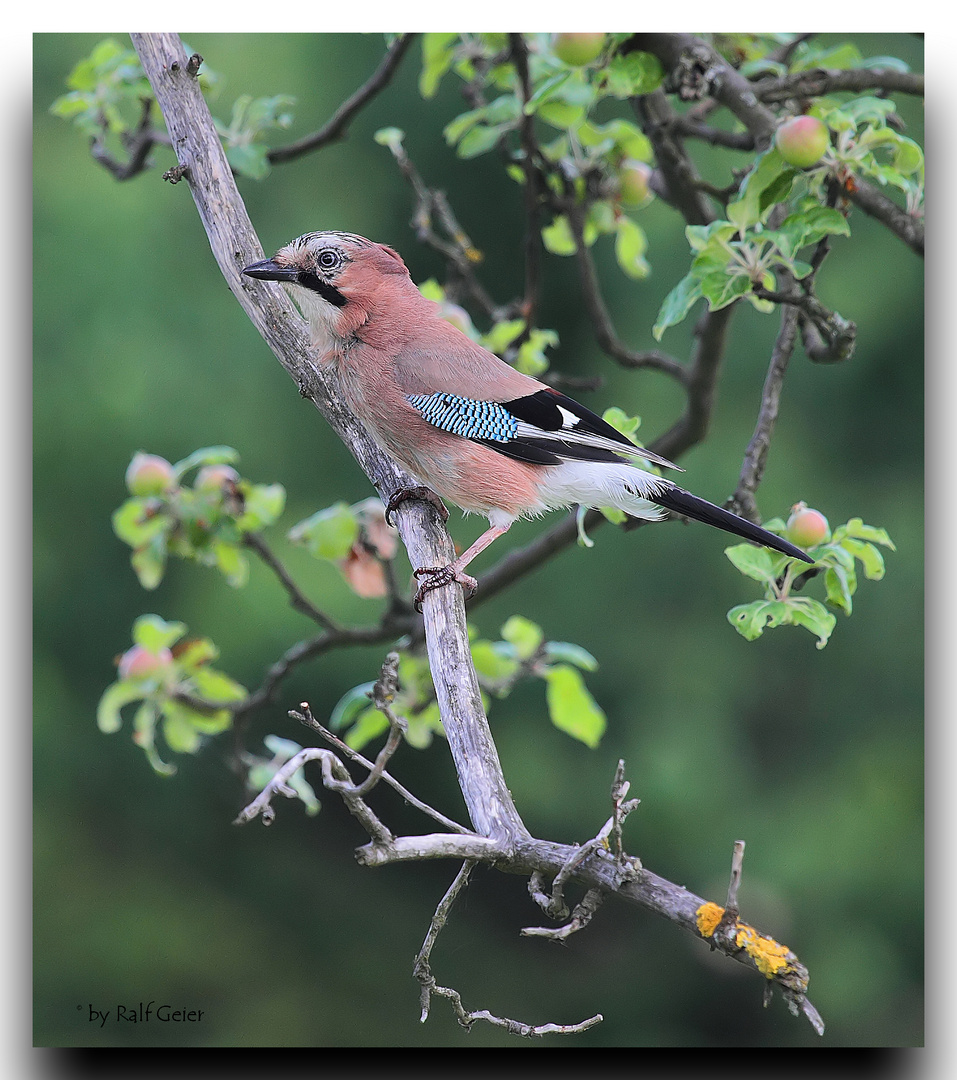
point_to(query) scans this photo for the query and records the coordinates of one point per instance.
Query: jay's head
(344, 278)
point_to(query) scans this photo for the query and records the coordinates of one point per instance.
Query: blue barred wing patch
(465, 417)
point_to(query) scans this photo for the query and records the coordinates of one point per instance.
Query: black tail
(683, 502)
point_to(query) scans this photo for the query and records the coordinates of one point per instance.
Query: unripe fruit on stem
(140, 663)
(148, 474)
(577, 50)
(802, 141)
(633, 182)
(213, 478)
(807, 527)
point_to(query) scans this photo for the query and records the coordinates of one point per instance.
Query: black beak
(268, 270)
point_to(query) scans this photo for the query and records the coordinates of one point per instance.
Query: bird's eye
(328, 259)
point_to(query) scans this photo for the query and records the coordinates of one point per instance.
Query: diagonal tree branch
(234, 244)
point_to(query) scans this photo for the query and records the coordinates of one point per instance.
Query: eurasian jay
(476, 431)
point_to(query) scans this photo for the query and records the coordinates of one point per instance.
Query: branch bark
(234, 244)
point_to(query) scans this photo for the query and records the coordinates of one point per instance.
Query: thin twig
(383, 693)
(461, 254)
(335, 128)
(533, 242)
(737, 861)
(598, 312)
(583, 914)
(305, 717)
(335, 777)
(755, 456)
(296, 597)
(422, 971)
(839, 334)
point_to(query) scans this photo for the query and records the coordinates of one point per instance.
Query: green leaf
(230, 561)
(571, 707)
(215, 687)
(525, 635)
(813, 616)
(839, 586)
(612, 514)
(630, 74)
(437, 57)
(195, 652)
(154, 633)
(249, 159)
(768, 182)
(629, 139)
(368, 725)
(494, 665)
(558, 237)
(717, 234)
(118, 694)
(677, 304)
(349, 707)
(561, 115)
(871, 559)
(479, 140)
(262, 505)
(570, 653)
(424, 725)
(856, 527)
(546, 89)
(621, 421)
(750, 619)
(630, 246)
(144, 735)
(502, 334)
(149, 562)
(722, 288)
(327, 534)
(178, 731)
(531, 359)
(207, 455)
(755, 562)
(808, 226)
(140, 519)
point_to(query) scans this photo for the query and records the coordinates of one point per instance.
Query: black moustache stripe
(328, 292)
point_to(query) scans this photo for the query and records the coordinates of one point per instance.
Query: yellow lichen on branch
(707, 917)
(770, 957)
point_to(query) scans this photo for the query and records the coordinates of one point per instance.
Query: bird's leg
(437, 576)
(423, 494)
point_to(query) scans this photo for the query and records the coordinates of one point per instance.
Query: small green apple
(633, 182)
(577, 50)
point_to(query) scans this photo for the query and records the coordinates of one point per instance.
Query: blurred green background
(143, 889)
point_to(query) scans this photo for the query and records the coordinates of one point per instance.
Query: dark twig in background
(335, 128)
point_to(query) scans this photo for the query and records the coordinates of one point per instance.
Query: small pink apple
(149, 474)
(802, 141)
(141, 663)
(213, 478)
(807, 527)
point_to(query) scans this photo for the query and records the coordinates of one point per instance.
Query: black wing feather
(544, 410)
